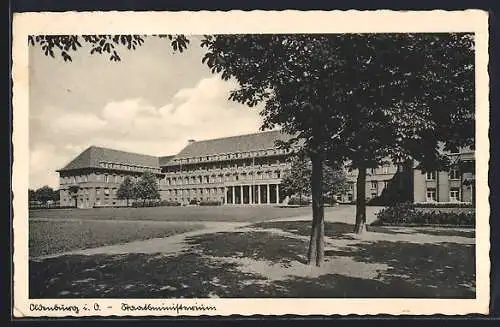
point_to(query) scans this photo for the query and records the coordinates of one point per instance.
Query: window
(430, 176)
(374, 185)
(98, 191)
(385, 169)
(374, 195)
(106, 191)
(431, 195)
(106, 179)
(349, 197)
(454, 174)
(454, 195)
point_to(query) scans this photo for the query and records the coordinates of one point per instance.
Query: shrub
(444, 205)
(408, 214)
(210, 203)
(194, 202)
(170, 203)
(296, 201)
(140, 204)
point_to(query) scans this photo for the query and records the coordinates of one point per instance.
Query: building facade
(246, 170)
(98, 172)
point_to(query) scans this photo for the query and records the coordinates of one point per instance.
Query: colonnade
(252, 194)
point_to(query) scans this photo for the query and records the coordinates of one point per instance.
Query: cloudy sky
(151, 102)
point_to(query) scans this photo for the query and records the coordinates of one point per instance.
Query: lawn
(268, 259)
(190, 213)
(50, 237)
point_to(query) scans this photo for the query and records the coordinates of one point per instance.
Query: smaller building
(407, 183)
(97, 173)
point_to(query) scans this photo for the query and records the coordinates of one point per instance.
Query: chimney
(191, 141)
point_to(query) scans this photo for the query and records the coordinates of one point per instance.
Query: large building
(244, 169)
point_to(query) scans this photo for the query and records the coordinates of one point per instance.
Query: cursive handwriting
(174, 307)
(54, 307)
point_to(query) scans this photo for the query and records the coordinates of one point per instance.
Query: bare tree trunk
(317, 243)
(360, 226)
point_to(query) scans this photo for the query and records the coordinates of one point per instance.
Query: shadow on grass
(135, 276)
(447, 268)
(192, 276)
(303, 228)
(341, 230)
(416, 271)
(254, 245)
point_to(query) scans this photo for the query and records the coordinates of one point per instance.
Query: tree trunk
(317, 244)
(76, 201)
(127, 202)
(360, 226)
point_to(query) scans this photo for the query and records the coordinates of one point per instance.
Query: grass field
(50, 237)
(268, 259)
(192, 213)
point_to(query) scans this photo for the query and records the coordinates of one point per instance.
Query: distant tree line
(44, 195)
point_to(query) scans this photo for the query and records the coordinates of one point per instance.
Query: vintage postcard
(218, 163)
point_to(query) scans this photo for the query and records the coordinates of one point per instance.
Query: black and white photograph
(181, 169)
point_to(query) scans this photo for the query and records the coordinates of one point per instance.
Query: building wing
(94, 156)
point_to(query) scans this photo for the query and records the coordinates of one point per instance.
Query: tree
(44, 194)
(73, 192)
(64, 45)
(357, 98)
(146, 188)
(297, 180)
(126, 190)
(32, 195)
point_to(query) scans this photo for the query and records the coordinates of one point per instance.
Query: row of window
(373, 184)
(386, 169)
(230, 156)
(98, 178)
(194, 192)
(221, 178)
(431, 195)
(453, 174)
(120, 166)
(224, 165)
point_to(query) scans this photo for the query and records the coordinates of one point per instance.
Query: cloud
(199, 112)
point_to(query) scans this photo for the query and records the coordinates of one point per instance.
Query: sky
(151, 102)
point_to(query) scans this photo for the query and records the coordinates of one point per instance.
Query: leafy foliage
(297, 180)
(146, 188)
(43, 194)
(66, 45)
(126, 190)
(406, 214)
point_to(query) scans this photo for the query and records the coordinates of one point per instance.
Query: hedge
(156, 204)
(407, 214)
(209, 203)
(300, 202)
(444, 205)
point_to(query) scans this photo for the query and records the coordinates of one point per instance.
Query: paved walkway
(177, 243)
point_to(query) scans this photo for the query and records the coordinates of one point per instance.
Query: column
(258, 194)
(268, 198)
(241, 194)
(225, 195)
(250, 196)
(277, 194)
(233, 193)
